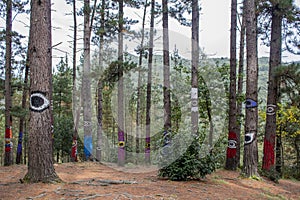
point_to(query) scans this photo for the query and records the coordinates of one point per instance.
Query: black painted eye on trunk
(249, 137)
(232, 144)
(38, 101)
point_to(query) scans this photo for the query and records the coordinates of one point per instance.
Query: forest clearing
(90, 180)
(138, 110)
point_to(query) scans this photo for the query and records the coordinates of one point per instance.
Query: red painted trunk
(8, 136)
(74, 150)
(232, 141)
(269, 156)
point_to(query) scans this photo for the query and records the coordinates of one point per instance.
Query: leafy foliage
(290, 17)
(18, 52)
(62, 101)
(191, 165)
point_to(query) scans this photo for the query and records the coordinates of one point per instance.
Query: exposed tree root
(102, 182)
(38, 196)
(79, 194)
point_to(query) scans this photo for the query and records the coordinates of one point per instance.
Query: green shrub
(189, 165)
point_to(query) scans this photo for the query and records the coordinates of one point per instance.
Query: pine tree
(121, 126)
(195, 64)
(251, 121)
(100, 83)
(231, 157)
(149, 84)
(240, 87)
(86, 80)
(166, 71)
(8, 160)
(76, 116)
(40, 161)
(22, 118)
(274, 62)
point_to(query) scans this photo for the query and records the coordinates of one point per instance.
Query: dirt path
(97, 181)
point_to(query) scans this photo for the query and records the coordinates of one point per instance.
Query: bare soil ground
(97, 181)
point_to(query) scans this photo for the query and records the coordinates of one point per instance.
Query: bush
(190, 165)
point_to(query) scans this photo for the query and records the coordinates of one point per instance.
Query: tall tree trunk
(22, 118)
(274, 62)
(40, 149)
(25, 143)
(231, 157)
(8, 160)
(149, 85)
(76, 112)
(99, 119)
(100, 84)
(240, 88)
(166, 72)
(251, 122)
(138, 106)
(195, 64)
(86, 85)
(121, 135)
(279, 155)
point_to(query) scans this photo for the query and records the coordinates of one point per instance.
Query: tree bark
(195, 64)
(251, 121)
(231, 157)
(166, 69)
(279, 154)
(22, 119)
(100, 85)
(40, 149)
(149, 85)
(121, 134)
(76, 114)
(240, 88)
(99, 118)
(86, 85)
(8, 160)
(274, 62)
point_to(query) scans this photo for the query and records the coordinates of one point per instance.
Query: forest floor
(90, 180)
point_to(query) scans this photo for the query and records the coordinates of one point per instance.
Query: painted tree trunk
(8, 145)
(195, 65)
(86, 85)
(22, 118)
(76, 116)
(121, 138)
(231, 161)
(40, 149)
(240, 88)
(100, 85)
(74, 151)
(251, 121)
(149, 85)
(274, 62)
(8, 101)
